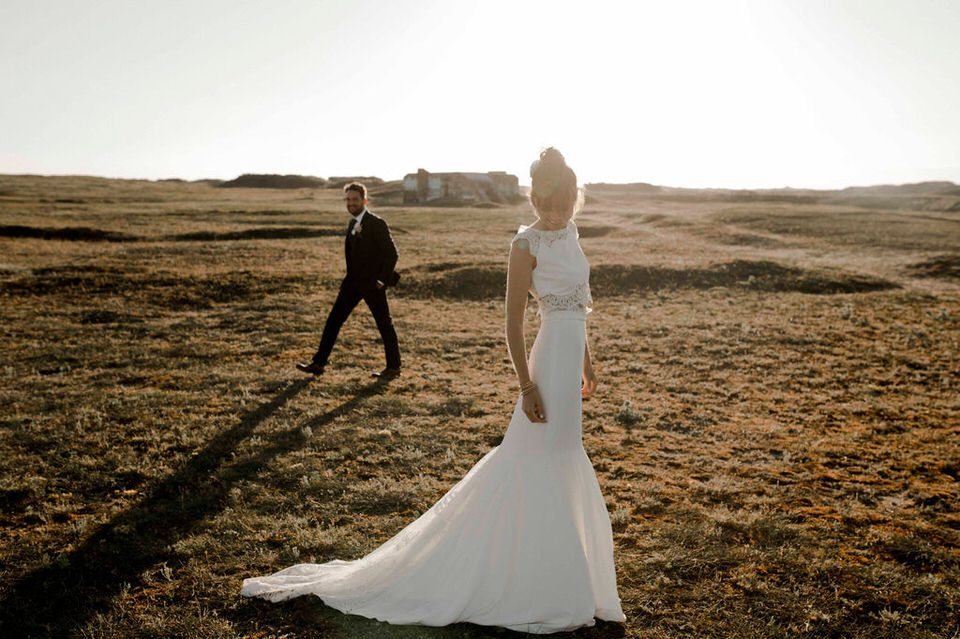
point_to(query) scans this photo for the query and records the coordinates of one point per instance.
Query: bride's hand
(532, 407)
(589, 382)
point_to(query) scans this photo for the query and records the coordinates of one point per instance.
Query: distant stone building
(423, 187)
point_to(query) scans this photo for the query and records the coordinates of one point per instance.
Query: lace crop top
(561, 277)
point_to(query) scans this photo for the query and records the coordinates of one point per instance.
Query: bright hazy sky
(765, 93)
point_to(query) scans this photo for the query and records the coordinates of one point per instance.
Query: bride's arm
(519, 277)
(589, 378)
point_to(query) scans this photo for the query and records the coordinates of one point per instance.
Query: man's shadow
(59, 598)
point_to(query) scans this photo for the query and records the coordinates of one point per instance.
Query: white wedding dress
(523, 540)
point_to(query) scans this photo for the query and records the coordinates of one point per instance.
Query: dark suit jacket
(371, 254)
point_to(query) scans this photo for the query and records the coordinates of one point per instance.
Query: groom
(371, 256)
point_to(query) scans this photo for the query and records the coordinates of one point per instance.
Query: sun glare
(732, 94)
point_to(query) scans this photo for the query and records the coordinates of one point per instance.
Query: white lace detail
(526, 239)
(578, 300)
(549, 237)
(534, 237)
(523, 243)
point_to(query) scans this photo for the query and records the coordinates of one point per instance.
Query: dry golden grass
(775, 432)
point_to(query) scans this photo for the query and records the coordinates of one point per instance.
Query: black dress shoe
(387, 373)
(312, 367)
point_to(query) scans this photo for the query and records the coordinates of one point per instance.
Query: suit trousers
(347, 299)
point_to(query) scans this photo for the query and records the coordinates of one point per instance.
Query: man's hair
(358, 187)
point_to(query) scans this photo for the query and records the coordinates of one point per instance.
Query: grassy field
(775, 431)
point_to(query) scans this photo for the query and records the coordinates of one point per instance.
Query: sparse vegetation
(273, 181)
(773, 433)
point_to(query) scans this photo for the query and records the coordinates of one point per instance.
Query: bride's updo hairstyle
(553, 191)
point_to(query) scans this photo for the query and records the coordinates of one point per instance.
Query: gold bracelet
(527, 388)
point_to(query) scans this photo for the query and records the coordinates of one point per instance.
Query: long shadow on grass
(58, 599)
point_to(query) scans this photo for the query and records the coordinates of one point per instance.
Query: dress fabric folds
(523, 541)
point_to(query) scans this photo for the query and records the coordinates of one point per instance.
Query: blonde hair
(553, 190)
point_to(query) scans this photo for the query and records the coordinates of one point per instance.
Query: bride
(523, 541)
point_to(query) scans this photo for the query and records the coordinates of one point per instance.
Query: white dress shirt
(356, 225)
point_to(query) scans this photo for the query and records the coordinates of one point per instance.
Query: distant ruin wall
(424, 187)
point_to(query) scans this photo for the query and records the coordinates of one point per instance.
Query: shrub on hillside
(273, 181)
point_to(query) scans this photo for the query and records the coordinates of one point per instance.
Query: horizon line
(584, 184)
